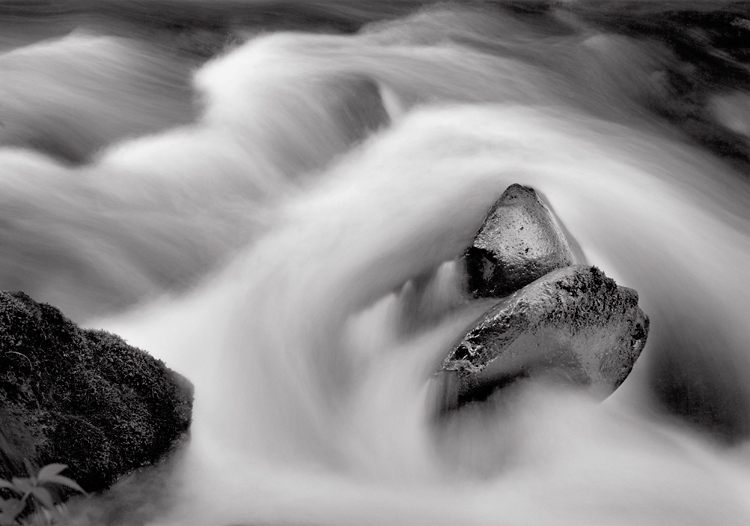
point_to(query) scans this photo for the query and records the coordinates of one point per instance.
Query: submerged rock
(573, 323)
(82, 398)
(519, 241)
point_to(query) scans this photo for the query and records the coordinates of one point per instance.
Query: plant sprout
(33, 487)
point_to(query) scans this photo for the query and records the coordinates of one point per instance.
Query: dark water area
(251, 191)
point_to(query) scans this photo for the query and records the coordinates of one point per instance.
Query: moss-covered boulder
(82, 398)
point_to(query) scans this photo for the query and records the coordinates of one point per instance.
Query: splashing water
(265, 251)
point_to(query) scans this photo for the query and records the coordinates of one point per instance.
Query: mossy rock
(82, 398)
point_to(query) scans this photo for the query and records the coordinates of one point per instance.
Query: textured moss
(82, 397)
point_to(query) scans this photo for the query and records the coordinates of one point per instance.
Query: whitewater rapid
(265, 252)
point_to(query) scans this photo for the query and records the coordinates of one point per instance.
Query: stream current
(255, 218)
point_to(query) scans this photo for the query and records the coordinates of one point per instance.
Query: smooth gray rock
(574, 323)
(519, 242)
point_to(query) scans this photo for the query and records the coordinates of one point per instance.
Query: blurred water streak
(246, 190)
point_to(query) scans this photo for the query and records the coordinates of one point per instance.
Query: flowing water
(255, 212)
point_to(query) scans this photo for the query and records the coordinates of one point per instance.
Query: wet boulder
(519, 242)
(82, 398)
(573, 323)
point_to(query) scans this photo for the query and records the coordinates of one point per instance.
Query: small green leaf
(10, 509)
(50, 470)
(64, 481)
(23, 484)
(7, 485)
(43, 496)
(9, 504)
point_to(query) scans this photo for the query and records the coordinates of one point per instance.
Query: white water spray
(313, 403)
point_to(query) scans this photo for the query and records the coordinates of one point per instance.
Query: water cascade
(265, 247)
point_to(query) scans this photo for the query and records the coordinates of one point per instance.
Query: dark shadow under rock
(82, 398)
